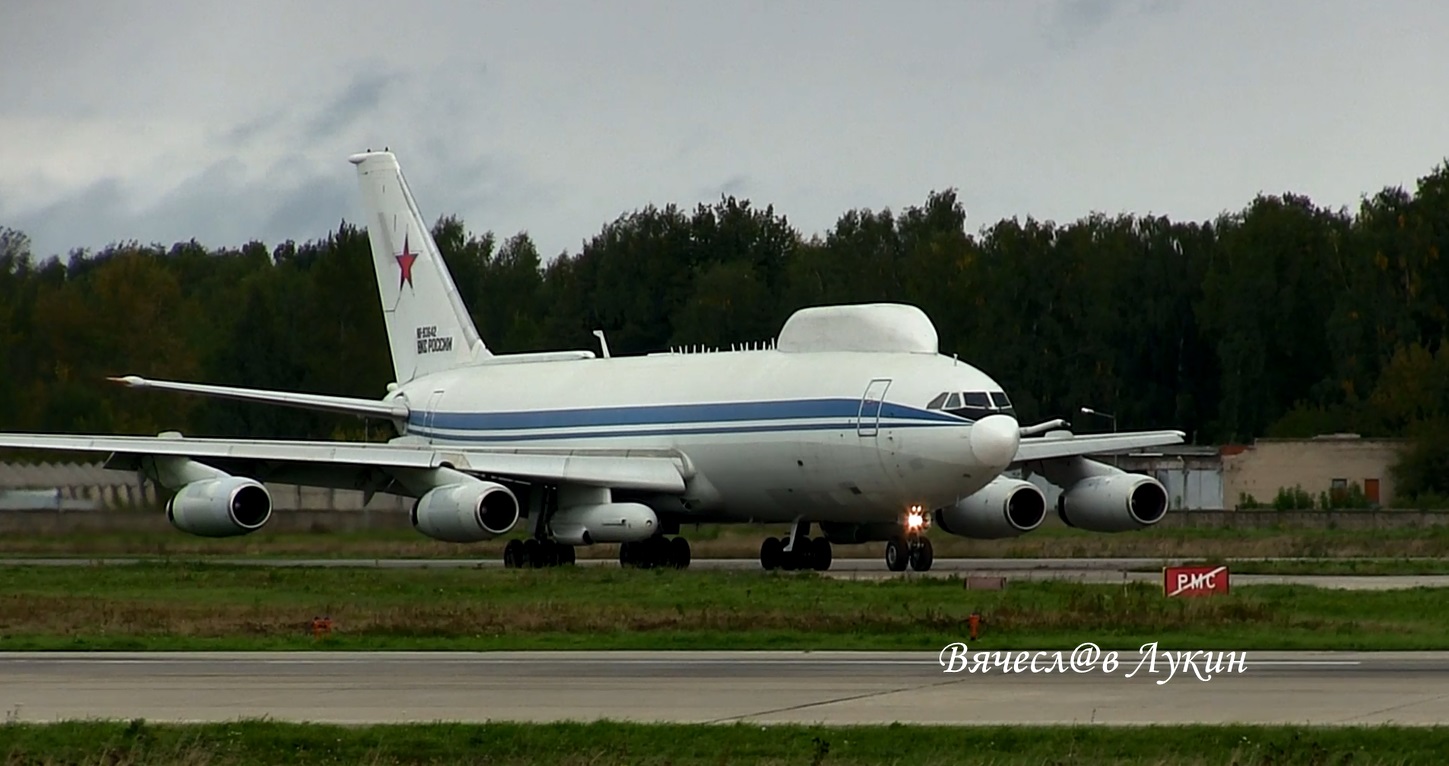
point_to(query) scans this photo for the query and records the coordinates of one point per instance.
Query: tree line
(1285, 318)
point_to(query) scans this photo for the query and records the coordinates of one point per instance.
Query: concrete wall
(1261, 470)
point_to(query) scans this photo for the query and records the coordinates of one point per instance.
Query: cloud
(555, 117)
(361, 97)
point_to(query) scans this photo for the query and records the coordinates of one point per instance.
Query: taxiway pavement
(1327, 688)
(1085, 570)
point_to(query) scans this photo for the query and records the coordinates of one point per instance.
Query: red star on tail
(405, 264)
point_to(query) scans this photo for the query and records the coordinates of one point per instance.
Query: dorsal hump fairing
(428, 327)
(871, 327)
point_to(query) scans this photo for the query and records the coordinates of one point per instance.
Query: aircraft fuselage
(770, 435)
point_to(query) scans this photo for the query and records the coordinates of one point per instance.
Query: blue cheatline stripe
(668, 414)
(687, 431)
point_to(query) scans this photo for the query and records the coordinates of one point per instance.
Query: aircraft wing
(1048, 447)
(270, 460)
(345, 405)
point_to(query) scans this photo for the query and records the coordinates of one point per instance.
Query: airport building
(1236, 476)
(1332, 464)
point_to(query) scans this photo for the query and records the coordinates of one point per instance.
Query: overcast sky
(228, 121)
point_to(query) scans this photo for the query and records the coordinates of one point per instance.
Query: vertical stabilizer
(428, 328)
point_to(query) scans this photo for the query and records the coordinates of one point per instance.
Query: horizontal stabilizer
(1067, 445)
(363, 408)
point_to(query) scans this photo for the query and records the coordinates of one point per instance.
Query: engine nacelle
(1003, 508)
(604, 523)
(1113, 503)
(226, 506)
(467, 512)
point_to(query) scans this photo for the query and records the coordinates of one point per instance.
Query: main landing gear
(912, 547)
(655, 552)
(806, 553)
(536, 553)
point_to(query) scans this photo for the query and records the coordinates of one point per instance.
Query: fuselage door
(867, 421)
(431, 412)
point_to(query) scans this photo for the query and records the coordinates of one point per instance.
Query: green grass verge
(200, 606)
(597, 744)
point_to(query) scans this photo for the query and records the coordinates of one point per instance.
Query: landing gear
(534, 553)
(896, 554)
(922, 555)
(806, 553)
(914, 550)
(656, 552)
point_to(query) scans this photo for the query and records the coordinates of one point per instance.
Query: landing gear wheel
(804, 554)
(820, 554)
(896, 554)
(772, 553)
(534, 554)
(679, 553)
(511, 553)
(922, 555)
(629, 555)
(566, 554)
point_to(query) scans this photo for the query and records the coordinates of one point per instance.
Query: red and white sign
(1194, 581)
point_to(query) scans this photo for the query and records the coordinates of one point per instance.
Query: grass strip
(135, 534)
(257, 743)
(201, 606)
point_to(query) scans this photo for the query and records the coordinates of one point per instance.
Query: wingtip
(133, 381)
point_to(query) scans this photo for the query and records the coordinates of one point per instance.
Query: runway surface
(1103, 570)
(824, 687)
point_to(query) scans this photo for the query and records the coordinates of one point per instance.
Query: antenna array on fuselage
(762, 345)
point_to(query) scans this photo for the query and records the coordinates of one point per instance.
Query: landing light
(915, 518)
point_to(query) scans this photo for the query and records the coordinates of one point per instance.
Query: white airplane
(850, 420)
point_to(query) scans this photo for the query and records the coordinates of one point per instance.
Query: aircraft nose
(994, 440)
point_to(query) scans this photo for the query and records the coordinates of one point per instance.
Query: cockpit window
(937, 402)
(953, 401)
(976, 399)
(999, 399)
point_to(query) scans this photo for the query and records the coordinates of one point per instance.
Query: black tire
(510, 554)
(679, 553)
(922, 556)
(535, 554)
(821, 554)
(772, 553)
(896, 555)
(566, 554)
(626, 554)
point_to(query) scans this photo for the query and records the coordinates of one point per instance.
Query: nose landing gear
(912, 547)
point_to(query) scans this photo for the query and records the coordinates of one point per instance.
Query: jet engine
(1003, 508)
(467, 512)
(226, 506)
(1116, 502)
(603, 523)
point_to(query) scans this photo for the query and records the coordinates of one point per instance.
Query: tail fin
(428, 327)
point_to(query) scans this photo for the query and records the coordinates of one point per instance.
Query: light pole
(1107, 415)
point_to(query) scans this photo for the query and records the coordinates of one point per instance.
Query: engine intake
(226, 506)
(469, 512)
(1113, 503)
(1003, 508)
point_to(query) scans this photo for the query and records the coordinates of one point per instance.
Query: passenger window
(937, 402)
(1000, 399)
(953, 401)
(977, 399)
